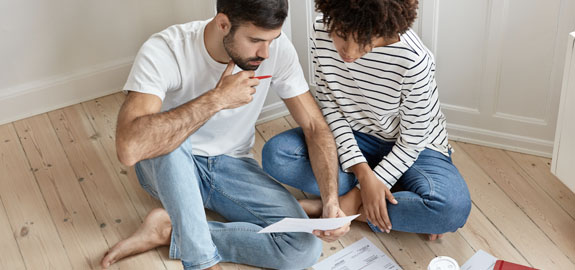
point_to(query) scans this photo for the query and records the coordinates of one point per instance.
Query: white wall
(61, 52)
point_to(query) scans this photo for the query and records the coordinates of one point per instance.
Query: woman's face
(349, 50)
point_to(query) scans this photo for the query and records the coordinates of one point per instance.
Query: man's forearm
(324, 163)
(158, 134)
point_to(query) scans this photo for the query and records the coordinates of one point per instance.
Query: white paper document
(361, 255)
(481, 260)
(307, 225)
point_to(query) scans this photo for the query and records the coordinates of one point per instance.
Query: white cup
(443, 263)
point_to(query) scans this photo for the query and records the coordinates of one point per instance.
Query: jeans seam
(148, 188)
(429, 180)
(296, 152)
(204, 176)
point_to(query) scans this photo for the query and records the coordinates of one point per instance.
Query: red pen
(261, 77)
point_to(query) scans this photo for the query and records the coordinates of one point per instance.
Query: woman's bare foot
(313, 208)
(154, 232)
(433, 237)
(349, 203)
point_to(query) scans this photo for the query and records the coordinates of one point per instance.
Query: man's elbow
(126, 153)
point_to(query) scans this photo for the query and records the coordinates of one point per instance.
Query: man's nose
(263, 52)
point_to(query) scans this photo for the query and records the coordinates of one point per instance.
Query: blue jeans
(239, 190)
(434, 200)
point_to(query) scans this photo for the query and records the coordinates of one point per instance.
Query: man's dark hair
(268, 14)
(364, 20)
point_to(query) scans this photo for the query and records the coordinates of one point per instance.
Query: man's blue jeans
(239, 190)
(435, 199)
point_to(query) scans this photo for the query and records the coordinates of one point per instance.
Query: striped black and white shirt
(389, 93)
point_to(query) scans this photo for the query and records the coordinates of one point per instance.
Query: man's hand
(373, 196)
(332, 210)
(235, 90)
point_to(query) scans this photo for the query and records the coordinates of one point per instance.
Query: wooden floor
(65, 199)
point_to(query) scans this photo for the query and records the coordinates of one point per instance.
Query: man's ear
(223, 23)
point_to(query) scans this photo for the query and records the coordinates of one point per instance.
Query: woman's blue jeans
(239, 190)
(434, 199)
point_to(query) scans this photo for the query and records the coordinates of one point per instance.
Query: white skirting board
(500, 140)
(460, 133)
(55, 93)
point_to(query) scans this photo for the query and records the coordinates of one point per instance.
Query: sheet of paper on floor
(481, 260)
(362, 254)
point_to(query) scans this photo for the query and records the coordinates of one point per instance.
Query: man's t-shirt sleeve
(155, 70)
(288, 79)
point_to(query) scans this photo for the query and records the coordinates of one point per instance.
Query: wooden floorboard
(506, 215)
(30, 220)
(482, 234)
(517, 185)
(110, 202)
(65, 199)
(62, 192)
(538, 170)
(10, 256)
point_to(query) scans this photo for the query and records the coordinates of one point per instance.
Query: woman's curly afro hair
(365, 20)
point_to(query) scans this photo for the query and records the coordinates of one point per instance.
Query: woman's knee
(281, 149)
(454, 212)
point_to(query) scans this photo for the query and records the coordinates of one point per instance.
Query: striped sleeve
(415, 115)
(348, 151)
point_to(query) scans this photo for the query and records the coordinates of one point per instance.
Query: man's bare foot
(154, 232)
(313, 208)
(433, 237)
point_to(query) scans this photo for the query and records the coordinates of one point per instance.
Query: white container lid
(443, 263)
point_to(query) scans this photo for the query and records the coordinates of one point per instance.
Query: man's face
(248, 45)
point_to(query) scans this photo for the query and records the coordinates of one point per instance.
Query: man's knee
(304, 252)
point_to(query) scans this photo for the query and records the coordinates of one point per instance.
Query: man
(377, 91)
(188, 126)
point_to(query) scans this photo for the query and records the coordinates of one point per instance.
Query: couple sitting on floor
(188, 126)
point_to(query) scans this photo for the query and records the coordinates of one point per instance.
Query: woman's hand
(374, 194)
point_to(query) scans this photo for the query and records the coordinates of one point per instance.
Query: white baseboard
(500, 140)
(272, 111)
(457, 133)
(60, 91)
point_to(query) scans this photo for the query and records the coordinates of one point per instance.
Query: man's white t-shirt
(175, 66)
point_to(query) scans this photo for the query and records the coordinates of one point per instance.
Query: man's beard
(238, 60)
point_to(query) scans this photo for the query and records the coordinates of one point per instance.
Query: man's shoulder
(181, 32)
